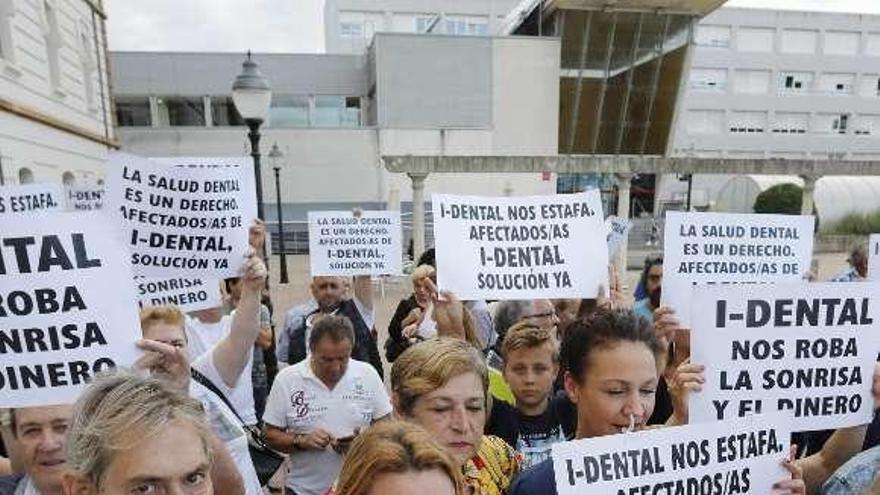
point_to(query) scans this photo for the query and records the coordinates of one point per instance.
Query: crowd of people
(479, 392)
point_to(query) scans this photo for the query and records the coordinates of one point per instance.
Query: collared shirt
(301, 403)
(850, 275)
(856, 476)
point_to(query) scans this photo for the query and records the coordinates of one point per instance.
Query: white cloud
(292, 26)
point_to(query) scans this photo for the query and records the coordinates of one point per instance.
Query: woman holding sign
(611, 362)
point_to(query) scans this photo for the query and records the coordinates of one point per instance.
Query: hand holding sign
(688, 377)
(253, 272)
(257, 235)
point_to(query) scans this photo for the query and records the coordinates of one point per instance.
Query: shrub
(781, 198)
(857, 224)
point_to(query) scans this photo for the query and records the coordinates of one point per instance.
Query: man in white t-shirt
(317, 406)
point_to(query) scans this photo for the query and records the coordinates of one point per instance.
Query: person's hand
(257, 235)
(316, 440)
(448, 312)
(166, 361)
(795, 485)
(341, 445)
(414, 316)
(253, 272)
(688, 378)
(666, 325)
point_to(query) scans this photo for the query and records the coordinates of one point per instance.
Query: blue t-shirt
(538, 480)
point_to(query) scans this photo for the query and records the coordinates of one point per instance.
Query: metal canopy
(689, 7)
(625, 164)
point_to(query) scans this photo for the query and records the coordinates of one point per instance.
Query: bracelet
(297, 437)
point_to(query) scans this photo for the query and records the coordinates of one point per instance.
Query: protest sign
(345, 243)
(31, 198)
(805, 348)
(183, 217)
(874, 257)
(67, 306)
(618, 229)
(84, 198)
(721, 458)
(521, 248)
(188, 294)
(726, 248)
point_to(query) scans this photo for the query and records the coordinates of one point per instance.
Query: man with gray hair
(136, 434)
(317, 406)
(39, 434)
(858, 262)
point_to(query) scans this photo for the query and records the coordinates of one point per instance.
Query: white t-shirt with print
(201, 339)
(300, 403)
(224, 423)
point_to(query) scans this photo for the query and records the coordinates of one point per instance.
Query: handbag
(265, 459)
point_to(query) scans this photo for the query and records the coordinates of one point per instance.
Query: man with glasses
(329, 294)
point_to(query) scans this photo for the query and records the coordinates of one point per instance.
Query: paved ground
(392, 290)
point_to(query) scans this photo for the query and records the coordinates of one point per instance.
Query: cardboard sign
(805, 348)
(84, 198)
(184, 216)
(31, 198)
(521, 248)
(728, 248)
(67, 306)
(341, 243)
(729, 458)
(874, 257)
(188, 294)
(618, 229)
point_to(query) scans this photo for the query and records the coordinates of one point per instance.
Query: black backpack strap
(208, 384)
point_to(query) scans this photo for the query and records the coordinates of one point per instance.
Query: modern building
(349, 25)
(778, 84)
(56, 117)
(335, 116)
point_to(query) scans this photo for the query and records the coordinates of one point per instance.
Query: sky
(290, 26)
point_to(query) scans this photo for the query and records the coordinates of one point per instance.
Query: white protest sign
(84, 198)
(341, 243)
(188, 294)
(727, 458)
(874, 257)
(521, 248)
(183, 216)
(68, 307)
(31, 198)
(805, 348)
(618, 229)
(726, 248)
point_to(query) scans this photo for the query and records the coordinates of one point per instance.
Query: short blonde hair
(171, 315)
(429, 365)
(423, 271)
(120, 409)
(393, 447)
(525, 335)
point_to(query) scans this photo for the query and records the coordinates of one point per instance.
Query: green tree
(781, 198)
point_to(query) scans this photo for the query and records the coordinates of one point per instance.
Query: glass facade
(133, 111)
(289, 111)
(181, 111)
(223, 112)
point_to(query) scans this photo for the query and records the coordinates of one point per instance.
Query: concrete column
(809, 190)
(418, 212)
(623, 191)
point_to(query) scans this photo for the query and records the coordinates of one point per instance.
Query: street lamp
(252, 96)
(276, 158)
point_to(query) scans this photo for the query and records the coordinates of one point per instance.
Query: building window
(790, 123)
(334, 111)
(751, 81)
(351, 29)
(704, 121)
(865, 125)
(795, 82)
(7, 11)
(799, 41)
(713, 36)
(224, 113)
(132, 111)
(828, 123)
(25, 176)
(180, 111)
(424, 23)
(708, 79)
(747, 122)
(840, 123)
(289, 111)
(869, 86)
(466, 25)
(754, 39)
(53, 45)
(836, 84)
(841, 43)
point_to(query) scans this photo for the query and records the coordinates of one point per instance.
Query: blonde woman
(442, 385)
(393, 457)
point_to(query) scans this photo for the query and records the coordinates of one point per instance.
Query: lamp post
(252, 96)
(276, 158)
